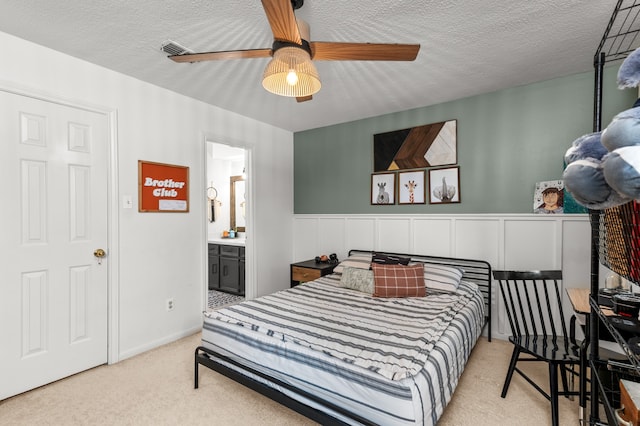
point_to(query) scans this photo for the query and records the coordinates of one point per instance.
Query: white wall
(157, 256)
(522, 241)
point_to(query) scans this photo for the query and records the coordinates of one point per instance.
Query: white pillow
(442, 277)
(361, 261)
(358, 279)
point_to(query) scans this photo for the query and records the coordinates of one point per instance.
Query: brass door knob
(99, 253)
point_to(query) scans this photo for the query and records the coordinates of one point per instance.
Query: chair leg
(583, 381)
(512, 367)
(565, 381)
(553, 387)
(572, 380)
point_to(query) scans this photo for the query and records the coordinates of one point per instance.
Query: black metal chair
(534, 308)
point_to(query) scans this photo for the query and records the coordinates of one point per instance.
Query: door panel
(53, 292)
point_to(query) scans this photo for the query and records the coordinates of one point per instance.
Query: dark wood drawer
(304, 274)
(214, 249)
(230, 251)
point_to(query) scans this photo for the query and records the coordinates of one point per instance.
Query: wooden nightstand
(309, 270)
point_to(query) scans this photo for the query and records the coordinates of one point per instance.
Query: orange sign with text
(162, 187)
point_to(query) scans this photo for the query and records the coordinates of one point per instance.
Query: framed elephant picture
(444, 186)
(383, 188)
(411, 187)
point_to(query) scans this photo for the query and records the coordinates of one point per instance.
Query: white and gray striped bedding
(392, 361)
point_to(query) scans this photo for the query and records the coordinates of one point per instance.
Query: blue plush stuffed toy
(584, 176)
(603, 169)
(622, 165)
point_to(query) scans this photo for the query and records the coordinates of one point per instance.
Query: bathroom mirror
(238, 203)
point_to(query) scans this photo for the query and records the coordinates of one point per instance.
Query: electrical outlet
(170, 304)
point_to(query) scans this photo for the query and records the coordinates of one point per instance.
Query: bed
(338, 355)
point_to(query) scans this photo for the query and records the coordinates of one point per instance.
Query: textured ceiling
(467, 48)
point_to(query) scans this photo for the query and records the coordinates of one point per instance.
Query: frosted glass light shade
(288, 63)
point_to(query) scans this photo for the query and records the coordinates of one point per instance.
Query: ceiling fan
(291, 71)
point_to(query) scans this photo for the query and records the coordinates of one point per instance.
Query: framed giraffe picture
(411, 187)
(383, 188)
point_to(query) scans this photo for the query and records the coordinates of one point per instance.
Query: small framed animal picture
(444, 186)
(383, 188)
(411, 187)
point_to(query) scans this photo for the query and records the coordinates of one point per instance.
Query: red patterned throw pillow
(398, 280)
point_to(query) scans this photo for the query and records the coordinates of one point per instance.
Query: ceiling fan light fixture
(291, 73)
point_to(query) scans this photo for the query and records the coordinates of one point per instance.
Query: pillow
(389, 259)
(357, 279)
(362, 261)
(398, 280)
(442, 277)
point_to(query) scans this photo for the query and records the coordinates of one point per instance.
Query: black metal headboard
(475, 271)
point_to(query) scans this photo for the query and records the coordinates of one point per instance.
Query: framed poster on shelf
(162, 187)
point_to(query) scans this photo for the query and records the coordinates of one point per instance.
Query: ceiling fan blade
(282, 20)
(335, 51)
(215, 56)
(304, 98)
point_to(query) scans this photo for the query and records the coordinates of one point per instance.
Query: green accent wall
(507, 141)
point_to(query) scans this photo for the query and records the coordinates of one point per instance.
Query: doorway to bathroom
(227, 223)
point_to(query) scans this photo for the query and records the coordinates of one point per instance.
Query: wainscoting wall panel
(508, 241)
(396, 234)
(576, 243)
(360, 233)
(477, 238)
(531, 244)
(433, 236)
(331, 233)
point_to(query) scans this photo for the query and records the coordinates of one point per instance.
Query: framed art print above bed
(444, 185)
(383, 188)
(429, 145)
(412, 187)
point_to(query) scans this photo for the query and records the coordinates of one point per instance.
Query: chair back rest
(533, 302)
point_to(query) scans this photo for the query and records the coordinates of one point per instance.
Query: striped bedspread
(405, 355)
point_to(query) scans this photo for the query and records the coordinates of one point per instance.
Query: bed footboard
(211, 359)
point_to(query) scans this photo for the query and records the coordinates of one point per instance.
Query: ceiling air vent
(172, 48)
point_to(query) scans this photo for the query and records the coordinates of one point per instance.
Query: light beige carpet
(477, 400)
(156, 388)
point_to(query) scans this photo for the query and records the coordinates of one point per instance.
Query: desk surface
(579, 298)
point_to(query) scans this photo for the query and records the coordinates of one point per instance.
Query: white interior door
(53, 290)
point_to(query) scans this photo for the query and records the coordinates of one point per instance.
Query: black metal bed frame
(476, 271)
(209, 358)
